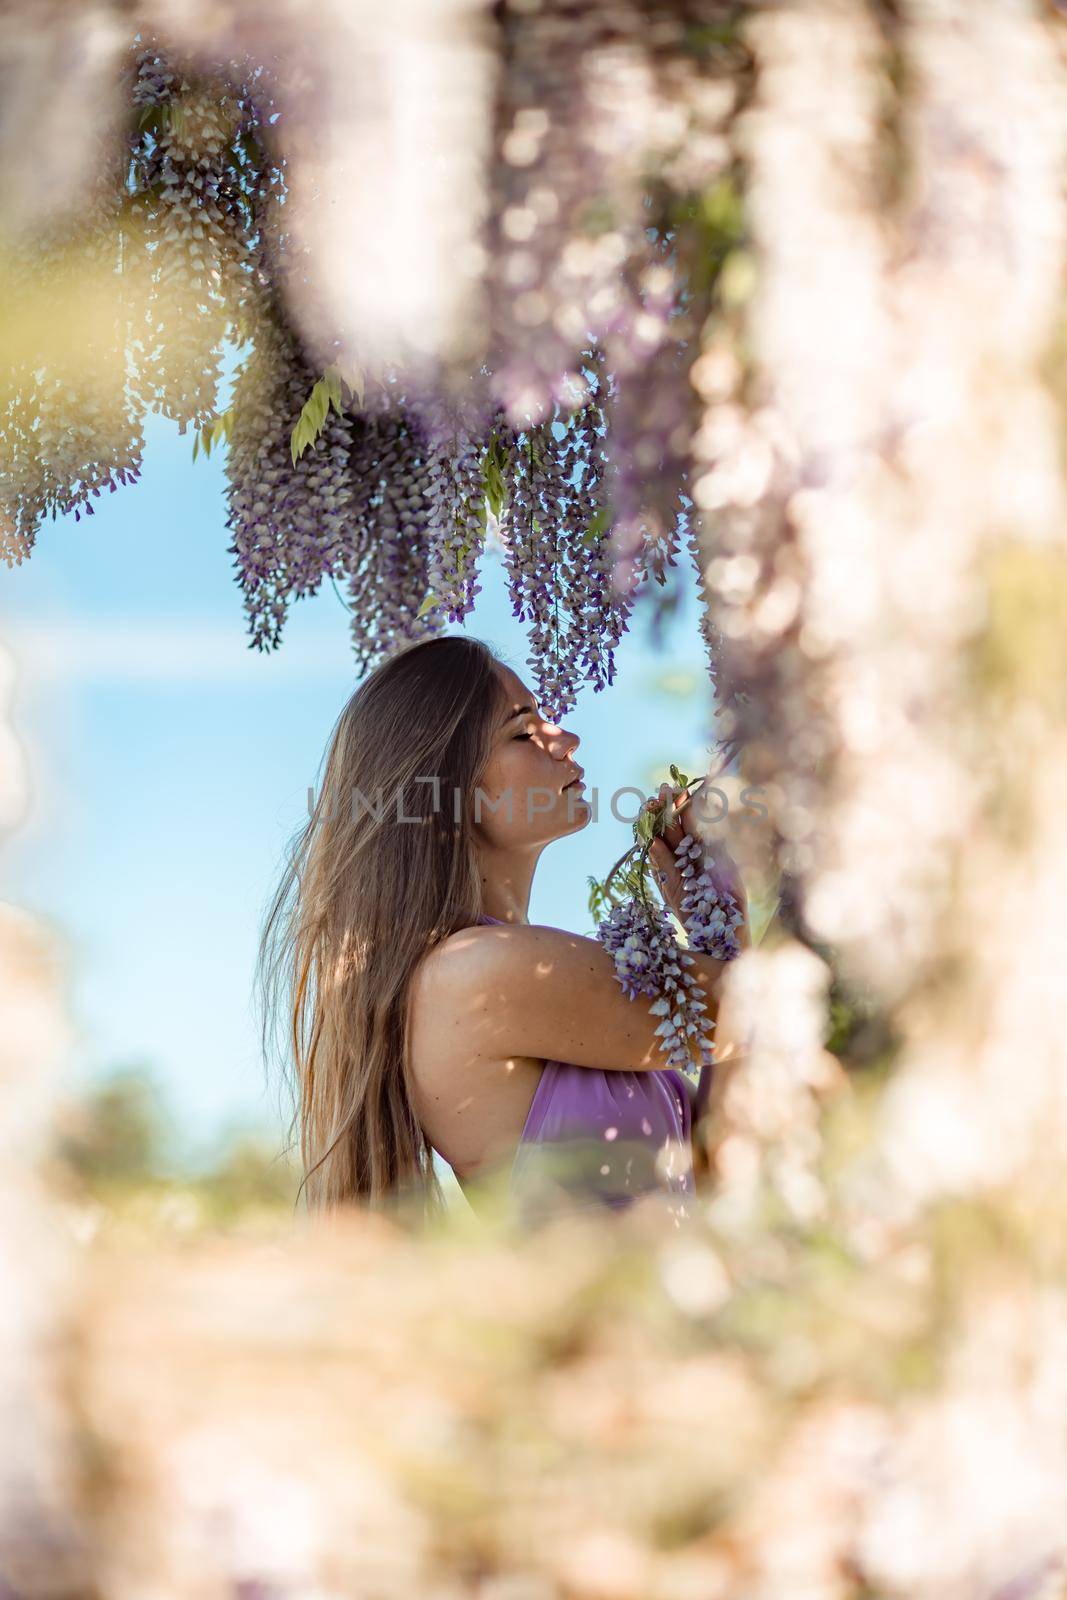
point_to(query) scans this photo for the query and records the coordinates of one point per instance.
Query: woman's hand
(665, 867)
(661, 856)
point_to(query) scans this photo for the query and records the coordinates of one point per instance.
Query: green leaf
(315, 410)
(494, 481)
(214, 431)
(428, 604)
(303, 434)
(332, 379)
(598, 525)
(598, 899)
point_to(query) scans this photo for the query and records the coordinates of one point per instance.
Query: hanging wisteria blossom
(649, 961)
(641, 937)
(709, 911)
(563, 419)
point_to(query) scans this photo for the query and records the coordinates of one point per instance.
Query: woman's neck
(515, 915)
(507, 877)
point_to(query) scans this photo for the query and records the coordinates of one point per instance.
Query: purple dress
(595, 1138)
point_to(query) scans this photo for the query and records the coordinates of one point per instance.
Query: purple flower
(648, 961)
(709, 911)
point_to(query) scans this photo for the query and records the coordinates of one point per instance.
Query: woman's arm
(521, 990)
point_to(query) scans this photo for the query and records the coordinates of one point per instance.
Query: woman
(422, 1010)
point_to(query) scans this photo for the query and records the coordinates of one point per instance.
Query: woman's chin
(577, 812)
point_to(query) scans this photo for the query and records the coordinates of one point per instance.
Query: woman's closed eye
(524, 736)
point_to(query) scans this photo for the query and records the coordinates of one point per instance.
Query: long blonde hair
(363, 897)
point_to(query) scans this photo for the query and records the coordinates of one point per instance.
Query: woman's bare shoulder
(505, 955)
(538, 991)
(471, 1107)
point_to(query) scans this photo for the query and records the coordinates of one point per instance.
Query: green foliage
(153, 119)
(494, 468)
(117, 1135)
(251, 1174)
(212, 434)
(858, 1031)
(312, 419)
(494, 498)
(599, 904)
(599, 523)
(629, 878)
(115, 1147)
(709, 230)
(168, 116)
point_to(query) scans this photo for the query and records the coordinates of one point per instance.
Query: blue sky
(169, 765)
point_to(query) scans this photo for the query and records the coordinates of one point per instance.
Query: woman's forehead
(515, 689)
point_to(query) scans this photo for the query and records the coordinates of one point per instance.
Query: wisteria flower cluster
(649, 961)
(565, 412)
(709, 911)
(642, 940)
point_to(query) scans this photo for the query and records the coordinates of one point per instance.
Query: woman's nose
(563, 742)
